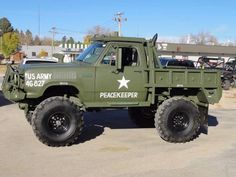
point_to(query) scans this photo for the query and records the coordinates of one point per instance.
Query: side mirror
(119, 61)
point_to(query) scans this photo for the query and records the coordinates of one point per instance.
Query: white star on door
(123, 82)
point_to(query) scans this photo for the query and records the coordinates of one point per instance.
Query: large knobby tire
(142, 117)
(28, 116)
(177, 120)
(57, 121)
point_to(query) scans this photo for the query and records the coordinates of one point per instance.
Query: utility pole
(53, 31)
(1, 38)
(39, 20)
(188, 39)
(119, 20)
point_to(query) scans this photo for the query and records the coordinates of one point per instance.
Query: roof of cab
(104, 38)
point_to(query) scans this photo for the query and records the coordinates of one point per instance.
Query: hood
(50, 66)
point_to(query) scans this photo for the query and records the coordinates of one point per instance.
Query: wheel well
(60, 91)
(177, 91)
(183, 92)
(30, 104)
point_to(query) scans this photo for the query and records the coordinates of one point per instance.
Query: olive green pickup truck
(113, 72)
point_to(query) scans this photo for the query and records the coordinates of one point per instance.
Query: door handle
(138, 71)
(115, 71)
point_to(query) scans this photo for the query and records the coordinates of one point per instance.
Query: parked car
(165, 61)
(228, 69)
(37, 61)
(171, 62)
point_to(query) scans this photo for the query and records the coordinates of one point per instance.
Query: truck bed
(190, 78)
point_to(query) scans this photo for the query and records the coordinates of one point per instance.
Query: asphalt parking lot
(111, 145)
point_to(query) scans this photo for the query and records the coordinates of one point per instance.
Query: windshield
(91, 54)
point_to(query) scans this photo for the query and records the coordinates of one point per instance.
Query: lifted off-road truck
(227, 69)
(113, 72)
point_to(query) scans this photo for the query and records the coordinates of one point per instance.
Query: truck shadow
(4, 101)
(96, 122)
(212, 122)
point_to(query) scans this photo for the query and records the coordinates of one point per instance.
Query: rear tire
(177, 120)
(57, 121)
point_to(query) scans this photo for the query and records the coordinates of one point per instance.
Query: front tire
(28, 116)
(57, 122)
(177, 120)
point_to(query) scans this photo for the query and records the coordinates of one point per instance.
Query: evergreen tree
(71, 40)
(22, 38)
(28, 37)
(63, 40)
(5, 25)
(37, 40)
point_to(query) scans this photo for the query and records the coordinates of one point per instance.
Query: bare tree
(96, 30)
(202, 38)
(213, 40)
(99, 30)
(46, 41)
(184, 39)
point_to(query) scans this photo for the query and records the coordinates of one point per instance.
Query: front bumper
(14, 95)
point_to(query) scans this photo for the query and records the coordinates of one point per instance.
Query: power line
(70, 31)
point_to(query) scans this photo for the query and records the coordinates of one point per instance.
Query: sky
(171, 19)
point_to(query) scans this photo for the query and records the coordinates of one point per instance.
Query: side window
(110, 57)
(130, 56)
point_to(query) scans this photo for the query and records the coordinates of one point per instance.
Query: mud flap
(204, 119)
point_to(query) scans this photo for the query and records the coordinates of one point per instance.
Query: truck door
(127, 84)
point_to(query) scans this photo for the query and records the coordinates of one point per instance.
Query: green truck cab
(113, 72)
